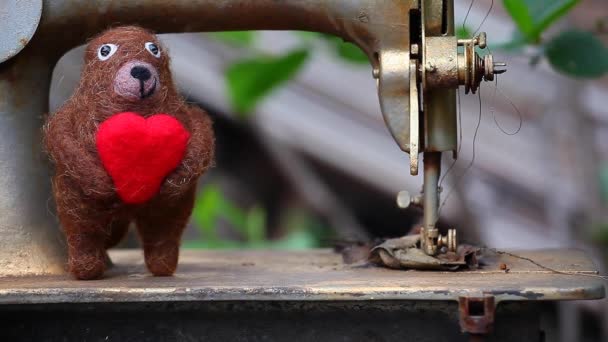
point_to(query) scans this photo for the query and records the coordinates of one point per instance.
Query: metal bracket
(18, 23)
(477, 314)
(414, 118)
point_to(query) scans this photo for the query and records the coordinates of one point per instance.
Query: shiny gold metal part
(473, 69)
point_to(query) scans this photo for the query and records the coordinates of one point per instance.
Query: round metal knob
(448, 241)
(482, 40)
(404, 200)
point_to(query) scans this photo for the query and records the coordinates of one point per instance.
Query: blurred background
(304, 159)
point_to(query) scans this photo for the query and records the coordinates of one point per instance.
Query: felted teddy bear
(126, 147)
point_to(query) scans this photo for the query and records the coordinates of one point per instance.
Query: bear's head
(126, 68)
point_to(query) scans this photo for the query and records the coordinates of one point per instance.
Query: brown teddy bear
(126, 147)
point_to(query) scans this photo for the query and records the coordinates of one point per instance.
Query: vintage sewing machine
(419, 65)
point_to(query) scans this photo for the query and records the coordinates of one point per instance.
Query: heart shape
(138, 153)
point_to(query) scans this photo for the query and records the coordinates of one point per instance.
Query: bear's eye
(106, 51)
(153, 49)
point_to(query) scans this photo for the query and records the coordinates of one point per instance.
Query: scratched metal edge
(122, 295)
(65, 290)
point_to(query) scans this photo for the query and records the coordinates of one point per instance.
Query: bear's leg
(86, 225)
(86, 255)
(86, 236)
(160, 227)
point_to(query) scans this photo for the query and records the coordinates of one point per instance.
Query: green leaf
(578, 53)
(238, 38)
(256, 225)
(533, 17)
(520, 13)
(251, 80)
(352, 53)
(463, 32)
(301, 239)
(600, 234)
(308, 35)
(348, 52)
(547, 12)
(515, 45)
(205, 211)
(210, 206)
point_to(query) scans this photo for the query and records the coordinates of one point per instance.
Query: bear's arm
(72, 159)
(199, 153)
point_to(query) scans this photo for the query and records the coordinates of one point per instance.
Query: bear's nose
(141, 73)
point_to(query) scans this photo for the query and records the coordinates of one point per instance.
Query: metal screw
(499, 68)
(482, 40)
(404, 200)
(376, 73)
(448, 241)
(415, 49)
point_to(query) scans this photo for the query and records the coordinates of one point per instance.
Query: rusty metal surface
(18, 22)
(477, 314)
(316, 275)
(30, 242)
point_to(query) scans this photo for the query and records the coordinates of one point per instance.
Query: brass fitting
(473, 69)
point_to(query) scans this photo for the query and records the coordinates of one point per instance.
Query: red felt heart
(139, 153)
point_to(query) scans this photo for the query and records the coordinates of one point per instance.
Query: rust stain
(23, 41)
(476, 314)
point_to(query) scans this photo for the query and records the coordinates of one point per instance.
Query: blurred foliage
(248, 226)
(578, 53)
(347, 51)
(238, 38)
(533, 17)
(250, 80)
(463, 32)
(571, 52)
(600, 234)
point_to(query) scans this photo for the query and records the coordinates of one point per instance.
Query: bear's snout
(136, 80)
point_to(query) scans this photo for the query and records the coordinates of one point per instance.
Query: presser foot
(407, 253)
(433, 243)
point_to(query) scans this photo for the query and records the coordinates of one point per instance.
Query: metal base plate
(317, 275)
